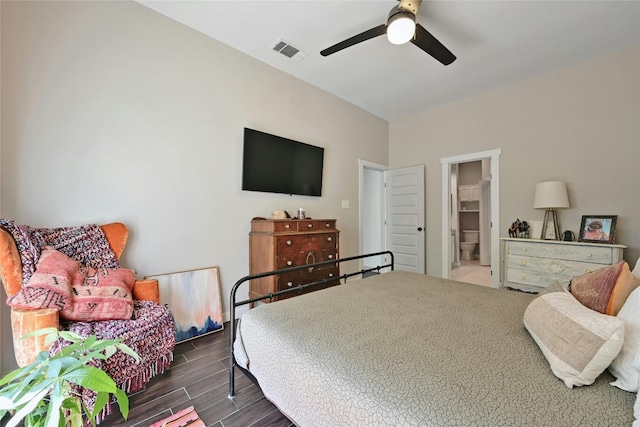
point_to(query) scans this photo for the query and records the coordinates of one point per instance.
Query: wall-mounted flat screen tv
(275, 164)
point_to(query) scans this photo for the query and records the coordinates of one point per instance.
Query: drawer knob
(588, 270)
(524, 249)
(329, 239)
(289, 284)
(523, 277)
(286, 226)
(589, 255)
(309, 225)
(330, 256)
(327, 225)
(289, 262)
(289, 242)
(330, 274)
(523, 263)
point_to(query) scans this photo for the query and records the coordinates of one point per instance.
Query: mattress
(403, 349)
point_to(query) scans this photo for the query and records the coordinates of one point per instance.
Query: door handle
(419, 228)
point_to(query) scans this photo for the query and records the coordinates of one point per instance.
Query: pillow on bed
(579, 343)
(605, 290)
(626, 366)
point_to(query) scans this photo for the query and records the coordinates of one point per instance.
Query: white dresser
(532, 264)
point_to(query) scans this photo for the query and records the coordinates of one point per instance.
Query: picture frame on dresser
(598, 229)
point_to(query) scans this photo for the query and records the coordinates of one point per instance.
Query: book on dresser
(532, 264)
(275, 244)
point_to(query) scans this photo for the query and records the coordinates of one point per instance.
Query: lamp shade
(401, 26)
(551, 195)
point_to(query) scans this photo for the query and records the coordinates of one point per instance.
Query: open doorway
(372, 205)
(470, 217)
(470, 222)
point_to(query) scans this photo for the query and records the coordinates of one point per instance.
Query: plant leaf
(39, 332)
(91, 378)
(123, 402)
(101, 400)
(53, 410)
(70, 336)
(128, 350)
(26, 409)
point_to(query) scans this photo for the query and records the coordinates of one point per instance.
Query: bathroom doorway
(470, 201)
(470, 183)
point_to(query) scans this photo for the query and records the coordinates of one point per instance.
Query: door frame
(494, 156)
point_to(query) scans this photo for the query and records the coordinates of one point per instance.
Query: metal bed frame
(270, 296)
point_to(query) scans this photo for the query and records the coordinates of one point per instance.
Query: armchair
(149, 332)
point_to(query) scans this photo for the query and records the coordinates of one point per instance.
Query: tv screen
(275, 164)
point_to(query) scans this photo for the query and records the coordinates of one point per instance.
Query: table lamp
(551, 195)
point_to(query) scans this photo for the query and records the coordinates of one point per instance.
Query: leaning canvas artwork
(194, 299)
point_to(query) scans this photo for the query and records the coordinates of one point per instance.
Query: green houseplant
(41, 394)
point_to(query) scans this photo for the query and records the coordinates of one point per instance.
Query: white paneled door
(405, 233)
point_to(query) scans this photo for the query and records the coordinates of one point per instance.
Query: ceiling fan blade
(425, 41)
(369, 34)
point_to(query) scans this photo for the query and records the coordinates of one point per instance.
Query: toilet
(470, 239)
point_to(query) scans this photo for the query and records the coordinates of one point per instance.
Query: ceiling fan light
(401, 27)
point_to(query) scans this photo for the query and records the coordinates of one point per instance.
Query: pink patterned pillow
(605, 290)
(80, 293)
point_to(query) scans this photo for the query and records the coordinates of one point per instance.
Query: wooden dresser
(531, 264)
(282, 243)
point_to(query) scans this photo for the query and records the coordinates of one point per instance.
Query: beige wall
(579, 125)
(113, 112)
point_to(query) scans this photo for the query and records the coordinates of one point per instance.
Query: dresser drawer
(285, 226)
(303, 258)
(533, 278)
(297, 278)
(291, 244)
(550, 266)
(591, 254)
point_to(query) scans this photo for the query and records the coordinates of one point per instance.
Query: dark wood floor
(199, 377)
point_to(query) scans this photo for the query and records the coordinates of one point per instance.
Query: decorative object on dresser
(551, 195)
(598, 228)
(531, 265)
(277, 244)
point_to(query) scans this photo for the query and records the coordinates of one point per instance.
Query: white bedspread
(403, 349)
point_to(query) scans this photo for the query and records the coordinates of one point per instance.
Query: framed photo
(193, 298)
(598, 229)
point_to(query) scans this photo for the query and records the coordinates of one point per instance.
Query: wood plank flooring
(199, 377)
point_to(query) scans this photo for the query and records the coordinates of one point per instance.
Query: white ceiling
(496, 43)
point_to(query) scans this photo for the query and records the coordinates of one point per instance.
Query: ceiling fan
(401, 27)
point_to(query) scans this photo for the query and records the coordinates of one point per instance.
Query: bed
(401, 348)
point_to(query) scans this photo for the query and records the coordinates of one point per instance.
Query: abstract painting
(193, 298)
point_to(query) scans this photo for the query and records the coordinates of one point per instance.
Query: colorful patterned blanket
(86, 244)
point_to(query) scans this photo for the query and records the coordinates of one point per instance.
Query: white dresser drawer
(562, 270)
(593, 254)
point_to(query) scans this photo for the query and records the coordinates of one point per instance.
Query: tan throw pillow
(578, 343)
(605, 290)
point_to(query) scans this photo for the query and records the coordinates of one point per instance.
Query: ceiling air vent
(288, 50)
